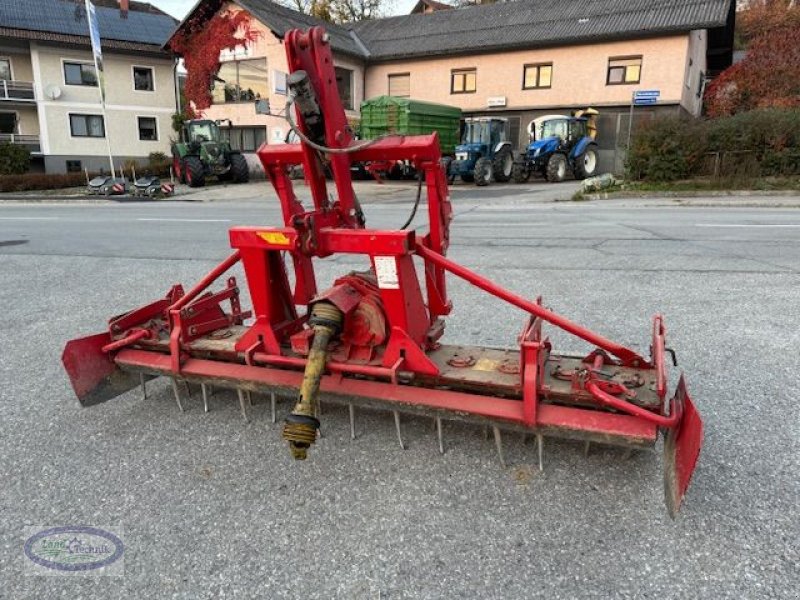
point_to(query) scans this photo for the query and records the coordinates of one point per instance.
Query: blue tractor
(485, 152)
(559, 144)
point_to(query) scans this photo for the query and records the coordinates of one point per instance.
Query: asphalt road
(212, 507)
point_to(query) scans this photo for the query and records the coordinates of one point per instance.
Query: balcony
(31, 142)
(16, 91)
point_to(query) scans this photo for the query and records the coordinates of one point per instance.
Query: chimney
(123, 9)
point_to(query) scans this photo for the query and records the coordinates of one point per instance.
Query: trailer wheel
(195, 174)
(586, 163)
(556, 168)
(503, 164)
(520, 172)
(239, 169)
(447, 165)
(483, 171)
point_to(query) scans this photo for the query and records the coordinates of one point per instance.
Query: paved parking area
(212, 507)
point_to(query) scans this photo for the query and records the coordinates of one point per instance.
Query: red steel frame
(414, 317)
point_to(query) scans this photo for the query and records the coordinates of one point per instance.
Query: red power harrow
(373, 338)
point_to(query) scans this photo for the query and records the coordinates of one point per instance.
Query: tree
(768, 76)
(316, 8)
(339, 11)
(759, 17)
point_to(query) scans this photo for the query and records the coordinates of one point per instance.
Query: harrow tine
(242, 405)
(498, 442)
(399, 433)
(439, 434)
(177, 393)
(204, 390)
(628, 454)
(586, 448)
(144, 386)
(352, 411)
(540, 445)
(188, 389)
(485, 432)
(272, 402)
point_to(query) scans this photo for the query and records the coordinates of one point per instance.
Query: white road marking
(777, 225)
(184, 220)
(29, 219)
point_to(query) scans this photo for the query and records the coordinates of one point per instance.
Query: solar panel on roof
(69, 17)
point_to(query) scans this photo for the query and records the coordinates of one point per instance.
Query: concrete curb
(691, 194)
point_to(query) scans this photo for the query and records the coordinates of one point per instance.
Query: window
(344, 81)
(624, 70)
(463, 81)
(74, 166)
(245, 139)
(8, 122)
(79, 74)
(241, 81)
(5, 69)
(143, 79)
(87, 126)
(400, 85)
(148, 129)
(537, 76)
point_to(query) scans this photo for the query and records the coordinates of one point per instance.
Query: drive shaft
(301, 426)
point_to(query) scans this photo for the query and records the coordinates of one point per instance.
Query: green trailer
(388, 114)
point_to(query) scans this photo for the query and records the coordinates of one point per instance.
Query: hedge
(759, 143)
(41, 181)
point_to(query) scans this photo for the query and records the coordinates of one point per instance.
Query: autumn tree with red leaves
(769, 75)
(200, 44)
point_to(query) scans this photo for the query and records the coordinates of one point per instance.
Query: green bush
(755, 143)
(14, 159)
(40, 181)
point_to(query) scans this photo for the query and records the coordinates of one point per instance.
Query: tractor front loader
(375, 338)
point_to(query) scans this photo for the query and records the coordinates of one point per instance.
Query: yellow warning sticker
(275, 237)
(485, 364)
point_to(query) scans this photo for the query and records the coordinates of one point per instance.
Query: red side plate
(94, 375)
(681, 450)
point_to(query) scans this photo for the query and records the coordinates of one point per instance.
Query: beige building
(517, 60)
(49, 96)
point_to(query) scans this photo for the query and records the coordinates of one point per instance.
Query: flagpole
(96, 50)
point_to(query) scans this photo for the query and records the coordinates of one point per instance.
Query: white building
(49, 97)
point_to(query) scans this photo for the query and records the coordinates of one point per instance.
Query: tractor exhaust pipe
(301, 426)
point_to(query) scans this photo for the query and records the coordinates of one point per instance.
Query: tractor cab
(484, 152)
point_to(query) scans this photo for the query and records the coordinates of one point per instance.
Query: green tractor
(201, 152)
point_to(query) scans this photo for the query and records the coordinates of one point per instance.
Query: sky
(179, 8)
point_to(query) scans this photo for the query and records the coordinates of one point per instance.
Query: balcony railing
(31, 142)
(17, 90)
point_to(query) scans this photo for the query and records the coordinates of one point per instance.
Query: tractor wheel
(556, 168)
(194, 172)
(467, 177)
(483, 171)
(178, 170)
(586, 163)
(239, 169)
(520, 172)
(503, 164)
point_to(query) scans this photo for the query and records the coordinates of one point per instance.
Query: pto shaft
(300, 428)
